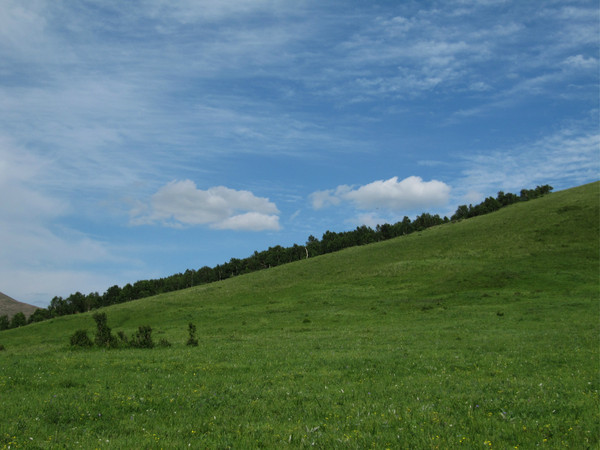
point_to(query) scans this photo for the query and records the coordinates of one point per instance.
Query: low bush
(122, 338)
(81, 339)
(143, 338)
(164, 343)
(192, 341)
(104, 337)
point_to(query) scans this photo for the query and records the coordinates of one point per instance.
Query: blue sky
(139, 139)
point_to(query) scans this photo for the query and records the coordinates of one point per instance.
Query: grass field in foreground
(478, 334)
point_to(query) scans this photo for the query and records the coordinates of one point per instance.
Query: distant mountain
(9, 306)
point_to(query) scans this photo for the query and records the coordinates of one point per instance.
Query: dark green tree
(39, 315)
(462, 212)
(385, 231)
(93, 301)
(60, 307)
(426, 220)
(506, 199)
(111, 296)
(404, 227)
(313, 245)
(18, 320)
(77, 302)
(206, 275)
(127, 293)
(487, 206)
(4, 322)
(331, 242)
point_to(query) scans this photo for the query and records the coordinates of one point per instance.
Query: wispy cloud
(37, 252)
(189, 11)
(420, 53)
(568, 156)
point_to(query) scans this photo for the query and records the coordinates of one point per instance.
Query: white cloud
(250, 221)
(394, 195)
(329, 197)
(182, 203)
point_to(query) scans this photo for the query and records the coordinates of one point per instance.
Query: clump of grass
(69, 383)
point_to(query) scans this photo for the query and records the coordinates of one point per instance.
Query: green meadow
(483, 333)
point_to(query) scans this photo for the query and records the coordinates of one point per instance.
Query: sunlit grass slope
(478, 333)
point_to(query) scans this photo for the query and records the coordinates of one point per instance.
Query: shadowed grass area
(482, 333)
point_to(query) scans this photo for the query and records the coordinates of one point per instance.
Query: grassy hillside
(478, 333)
(9, 307)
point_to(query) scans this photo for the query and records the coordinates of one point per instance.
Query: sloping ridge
(534, 251)
(9, 306)
(548, 244)
(543, 246)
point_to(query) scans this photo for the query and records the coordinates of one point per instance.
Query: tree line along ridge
(330, 242)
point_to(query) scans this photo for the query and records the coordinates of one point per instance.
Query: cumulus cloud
(182, 203)
(250, 221)
(394, 195)
(329, 197)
